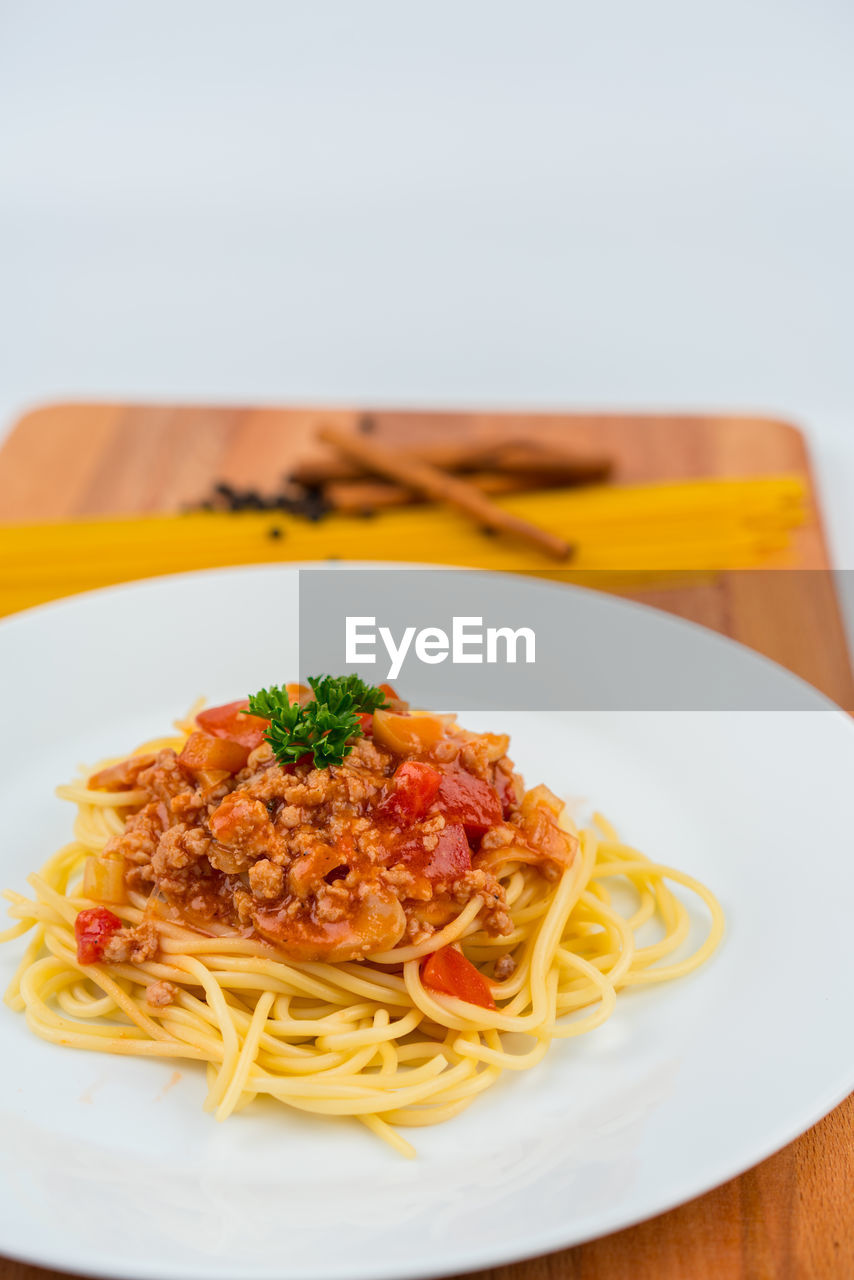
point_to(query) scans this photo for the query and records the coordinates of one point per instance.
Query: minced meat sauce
(336, 863)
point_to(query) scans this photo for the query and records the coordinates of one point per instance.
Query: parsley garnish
(322, 728)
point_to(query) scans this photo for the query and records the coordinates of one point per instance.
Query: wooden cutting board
(66, 460)
(792, 1215)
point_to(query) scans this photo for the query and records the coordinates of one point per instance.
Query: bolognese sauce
(334, 863)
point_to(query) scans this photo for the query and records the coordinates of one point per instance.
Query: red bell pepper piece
(469, 800)
(415, 788)
(93, 928)
(450, 859)
(506, 792)
(447, 970)
(231, 721)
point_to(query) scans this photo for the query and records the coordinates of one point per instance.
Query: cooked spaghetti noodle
(366, 1037)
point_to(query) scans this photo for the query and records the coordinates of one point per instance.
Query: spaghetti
(379, 1037)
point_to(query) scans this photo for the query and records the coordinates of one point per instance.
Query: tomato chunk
(469, 800)
(394, 702)
(366, 722)
(450, 859)
(203, 753)
(231, 721)
(447, 970)
(415, 788)
(93, 928)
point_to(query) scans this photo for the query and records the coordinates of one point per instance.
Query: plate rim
(822, 701)
(466, 1261)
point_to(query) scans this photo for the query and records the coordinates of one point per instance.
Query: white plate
(109, 1166)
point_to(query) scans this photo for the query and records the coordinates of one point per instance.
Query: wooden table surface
(791, 1216)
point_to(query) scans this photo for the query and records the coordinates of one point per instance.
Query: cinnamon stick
(425, 478)
(515, 457)
(365, 495)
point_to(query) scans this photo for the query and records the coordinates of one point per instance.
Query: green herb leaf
(337, 690)
(323, 728)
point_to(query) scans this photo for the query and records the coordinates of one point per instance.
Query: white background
(456, 202)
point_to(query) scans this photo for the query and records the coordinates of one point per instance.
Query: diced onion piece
(104, 878)
(541, 810)
(203, 753)
(121, 776)
(448, 718)
(495, 745)
(405, 735)
(541, 798)
(208, 779)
